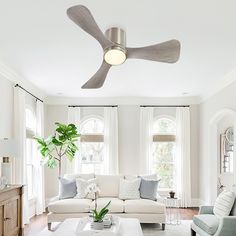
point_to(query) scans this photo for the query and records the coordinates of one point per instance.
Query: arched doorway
(221, 117)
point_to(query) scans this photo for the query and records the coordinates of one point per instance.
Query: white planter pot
(97, 225)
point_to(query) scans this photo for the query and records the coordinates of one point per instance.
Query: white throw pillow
(224, 204)
(129, 189)
(82, 185)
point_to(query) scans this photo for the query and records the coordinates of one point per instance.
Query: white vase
(97, 225)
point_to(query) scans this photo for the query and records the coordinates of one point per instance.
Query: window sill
(164, 192)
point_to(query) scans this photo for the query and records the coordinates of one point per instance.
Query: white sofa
(147, 211)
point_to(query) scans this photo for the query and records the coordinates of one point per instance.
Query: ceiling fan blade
(98, 79)
(168, 52)
(83, 18)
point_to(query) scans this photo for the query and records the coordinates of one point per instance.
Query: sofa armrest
(206, 210)
(227, 226)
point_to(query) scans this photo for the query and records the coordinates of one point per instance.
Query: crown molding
(227, 80)
(11, 75)
(51, 100)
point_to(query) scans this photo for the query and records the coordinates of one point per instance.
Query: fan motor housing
(117, 36)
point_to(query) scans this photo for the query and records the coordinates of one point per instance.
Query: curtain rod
(164, 106)
(17, 85)
(92, 106)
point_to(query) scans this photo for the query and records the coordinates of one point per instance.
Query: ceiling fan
(113, 43)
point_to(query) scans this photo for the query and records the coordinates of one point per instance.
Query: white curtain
(38, 168)
(111, 141)
(20, 136)
(183, 177)
(74, 166)
(146, 139)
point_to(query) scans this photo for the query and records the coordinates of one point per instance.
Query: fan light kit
(116, 55)
(113, 43)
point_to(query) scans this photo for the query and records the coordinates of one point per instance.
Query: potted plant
(97, 215)
(61, 144)
(172, 194)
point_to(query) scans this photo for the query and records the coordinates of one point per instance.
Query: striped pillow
(224, 204)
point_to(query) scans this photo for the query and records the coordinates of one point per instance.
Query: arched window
(92, 145)
(164, 132)
(92, 125)
(164, 125)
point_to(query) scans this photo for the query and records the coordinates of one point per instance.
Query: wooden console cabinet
(11, 211)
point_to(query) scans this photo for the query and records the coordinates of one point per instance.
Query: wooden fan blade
(168, 52)
(98, 79)
(84, 19)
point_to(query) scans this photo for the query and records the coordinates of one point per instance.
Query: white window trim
(92, 137)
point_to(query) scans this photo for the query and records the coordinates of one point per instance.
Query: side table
(173, 211)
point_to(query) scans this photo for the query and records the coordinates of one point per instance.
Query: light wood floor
(38, 223)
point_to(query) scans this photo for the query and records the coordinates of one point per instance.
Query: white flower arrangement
(97, 216)
(92, 188)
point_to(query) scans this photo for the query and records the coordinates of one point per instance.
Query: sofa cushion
(81, 176)
(67, 188)
(70, 206)
(116, 206)
(208, 223)
(150, 177)
(224, 203)
(108, 185)
(82, 186)
(144, 206)
(129, 189)
(233, 211)
(148, 189)
(130, 177)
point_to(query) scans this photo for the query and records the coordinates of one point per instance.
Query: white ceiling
(39, 42)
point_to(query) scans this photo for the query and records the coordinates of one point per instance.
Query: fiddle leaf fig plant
(61, 144)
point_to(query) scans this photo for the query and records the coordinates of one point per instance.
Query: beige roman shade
(163, 138)
(92, 138)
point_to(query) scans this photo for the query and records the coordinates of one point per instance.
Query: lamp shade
(8, 148)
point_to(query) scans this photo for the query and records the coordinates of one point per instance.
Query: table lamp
(8, 151)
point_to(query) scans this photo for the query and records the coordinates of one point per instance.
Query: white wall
(225, 99)
(128, 129)
(128, 123)
(6, 106)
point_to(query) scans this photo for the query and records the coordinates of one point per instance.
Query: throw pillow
(129, 189)
(67, 188)
(148, 189)
(224, 204)
(150, 177)
(82, 185)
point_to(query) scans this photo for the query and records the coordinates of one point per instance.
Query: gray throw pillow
(148, 189)
(67, 188)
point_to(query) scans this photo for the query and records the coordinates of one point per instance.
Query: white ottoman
(128, 227)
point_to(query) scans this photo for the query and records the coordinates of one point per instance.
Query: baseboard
(196, 202)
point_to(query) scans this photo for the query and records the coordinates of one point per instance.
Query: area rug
(153, 230)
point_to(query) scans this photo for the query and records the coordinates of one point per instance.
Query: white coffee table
(128, 227)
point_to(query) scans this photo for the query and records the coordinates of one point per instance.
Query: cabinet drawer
(12, 216)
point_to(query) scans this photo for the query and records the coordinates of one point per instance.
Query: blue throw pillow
(148, 189)
(67, 188)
